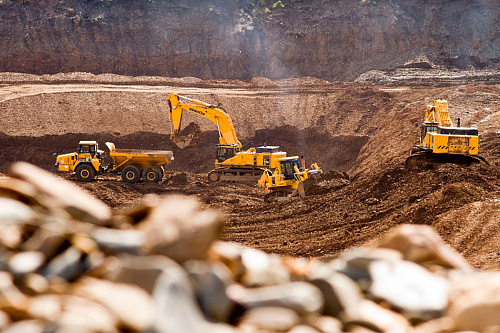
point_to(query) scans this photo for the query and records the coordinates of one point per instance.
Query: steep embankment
(333, 40)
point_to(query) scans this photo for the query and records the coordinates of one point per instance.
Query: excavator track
(234, 175)
(422, 160)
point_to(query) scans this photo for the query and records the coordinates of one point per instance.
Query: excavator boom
(188, 136)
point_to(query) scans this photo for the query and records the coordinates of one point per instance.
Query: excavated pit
(360, 134)
(327, 150)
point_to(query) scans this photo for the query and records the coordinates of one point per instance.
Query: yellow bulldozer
(286, 181)
(440, 142)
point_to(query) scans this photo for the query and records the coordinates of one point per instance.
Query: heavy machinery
(231, 163)
(131, 164)
(285, 182)
(440, 142)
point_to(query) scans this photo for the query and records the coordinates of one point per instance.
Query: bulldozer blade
(301, 191)
(188, 137)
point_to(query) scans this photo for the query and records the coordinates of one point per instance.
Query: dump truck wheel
(85, 173)
(152, 175)
(213, 176)
(131, 174)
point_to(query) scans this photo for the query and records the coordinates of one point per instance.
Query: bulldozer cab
(288, 168)
(225, 152)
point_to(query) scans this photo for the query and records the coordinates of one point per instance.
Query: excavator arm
(187, 137)
(438, 113)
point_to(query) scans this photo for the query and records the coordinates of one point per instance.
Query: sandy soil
(358, 128)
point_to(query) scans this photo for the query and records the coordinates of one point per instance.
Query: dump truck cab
(86, 162)
(88, 151)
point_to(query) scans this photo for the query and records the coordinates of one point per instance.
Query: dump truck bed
(138, 157)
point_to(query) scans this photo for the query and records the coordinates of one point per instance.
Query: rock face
(60, 273)
(333, 40)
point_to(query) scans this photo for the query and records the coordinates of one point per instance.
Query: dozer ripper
(286, 181)
(440, 142)
(131, 164)
(231, 163)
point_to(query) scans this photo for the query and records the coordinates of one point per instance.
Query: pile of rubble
(68, 264)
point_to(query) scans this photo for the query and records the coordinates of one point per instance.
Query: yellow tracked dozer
(285, 182)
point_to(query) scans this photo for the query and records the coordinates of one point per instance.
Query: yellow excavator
(440, 142)
(231, 163)
(285, 182)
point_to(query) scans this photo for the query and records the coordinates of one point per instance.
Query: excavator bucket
(187, 137)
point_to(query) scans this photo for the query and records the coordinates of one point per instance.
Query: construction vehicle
(131, 164)
(440, 142)
(231, 163)
(286, 181)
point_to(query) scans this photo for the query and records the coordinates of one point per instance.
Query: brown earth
(359, 128)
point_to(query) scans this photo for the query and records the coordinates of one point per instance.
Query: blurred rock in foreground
(69, 265)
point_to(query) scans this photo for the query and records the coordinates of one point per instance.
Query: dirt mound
(326, 182)
(417, 74)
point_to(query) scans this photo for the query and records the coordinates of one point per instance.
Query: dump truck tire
(152, 174)
(131, 174)
(85, 173)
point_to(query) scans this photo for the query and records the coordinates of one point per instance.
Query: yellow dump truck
(131, 164)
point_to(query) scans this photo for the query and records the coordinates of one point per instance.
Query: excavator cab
(225, 152)
(427, 127)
